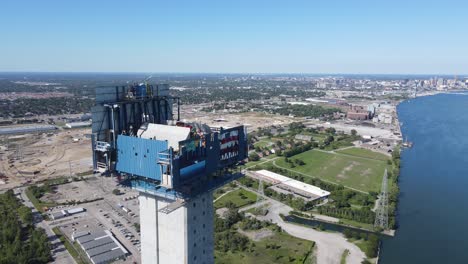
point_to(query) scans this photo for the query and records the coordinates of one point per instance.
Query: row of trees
(20, 241)
(48, 106)
(363, 215)
(289, 199)
(313, 111)
(298, 149)
(294, 162)
(345, 197)
(394, 191)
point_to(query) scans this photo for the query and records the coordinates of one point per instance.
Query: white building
(77, 124)
(66, 212)
(300, 188)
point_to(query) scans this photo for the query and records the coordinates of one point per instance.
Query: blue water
(433, 208)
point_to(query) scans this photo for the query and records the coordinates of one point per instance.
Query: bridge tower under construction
(174, 165)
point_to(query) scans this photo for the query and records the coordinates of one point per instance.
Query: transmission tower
(381, 214)
(19, 152)
(260, 208)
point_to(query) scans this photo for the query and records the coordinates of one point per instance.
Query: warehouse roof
(26, 129)
(78, 124)
(280, 179)
(108, 256)
(75, 210)
(100, 245)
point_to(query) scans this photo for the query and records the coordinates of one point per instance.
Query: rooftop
(100, 245)
(280, 179)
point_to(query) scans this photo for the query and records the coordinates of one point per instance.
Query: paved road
(330, 246)
(59, 252)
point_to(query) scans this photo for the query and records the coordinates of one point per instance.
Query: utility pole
(19, 154)
(70, 167)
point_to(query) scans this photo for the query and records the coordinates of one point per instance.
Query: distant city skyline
(278, 37)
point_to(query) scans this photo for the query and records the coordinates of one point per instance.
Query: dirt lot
(36, 157)
(252, 120)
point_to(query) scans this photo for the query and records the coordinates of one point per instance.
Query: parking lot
(116, 213)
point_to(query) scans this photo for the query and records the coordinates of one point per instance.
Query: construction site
(42, 155)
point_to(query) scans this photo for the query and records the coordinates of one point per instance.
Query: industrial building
(358, 113)
(66, 212)
(77, 125)
(100, 246)
(26, 129)
(299, 188)
(174, 165)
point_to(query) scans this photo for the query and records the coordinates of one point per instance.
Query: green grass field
(352, 171)
(286, 249)
(365, 153)
(239, 197)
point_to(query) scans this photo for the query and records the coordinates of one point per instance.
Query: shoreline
(389, 233)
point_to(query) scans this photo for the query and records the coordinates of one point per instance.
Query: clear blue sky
(310, 36)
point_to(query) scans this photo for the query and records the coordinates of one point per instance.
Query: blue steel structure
(202, 162)
(122, 110)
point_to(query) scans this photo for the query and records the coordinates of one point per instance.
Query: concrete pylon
(182, 236)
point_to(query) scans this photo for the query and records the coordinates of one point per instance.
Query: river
(433, 205)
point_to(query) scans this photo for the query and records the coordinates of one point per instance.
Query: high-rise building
(174, 165)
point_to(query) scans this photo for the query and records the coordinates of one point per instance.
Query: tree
(296, 126)
(20, 244)
(250, 139)
(353, 132)
(328, 140)
(348, 233)
(373, 247)
(25, 215)
(137, 226)
(299, 162)
(116, 192)
(331, 130)
(254, 157)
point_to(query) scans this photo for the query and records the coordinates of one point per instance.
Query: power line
(381, 214)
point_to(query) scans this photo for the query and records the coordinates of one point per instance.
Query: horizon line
(231, 73)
